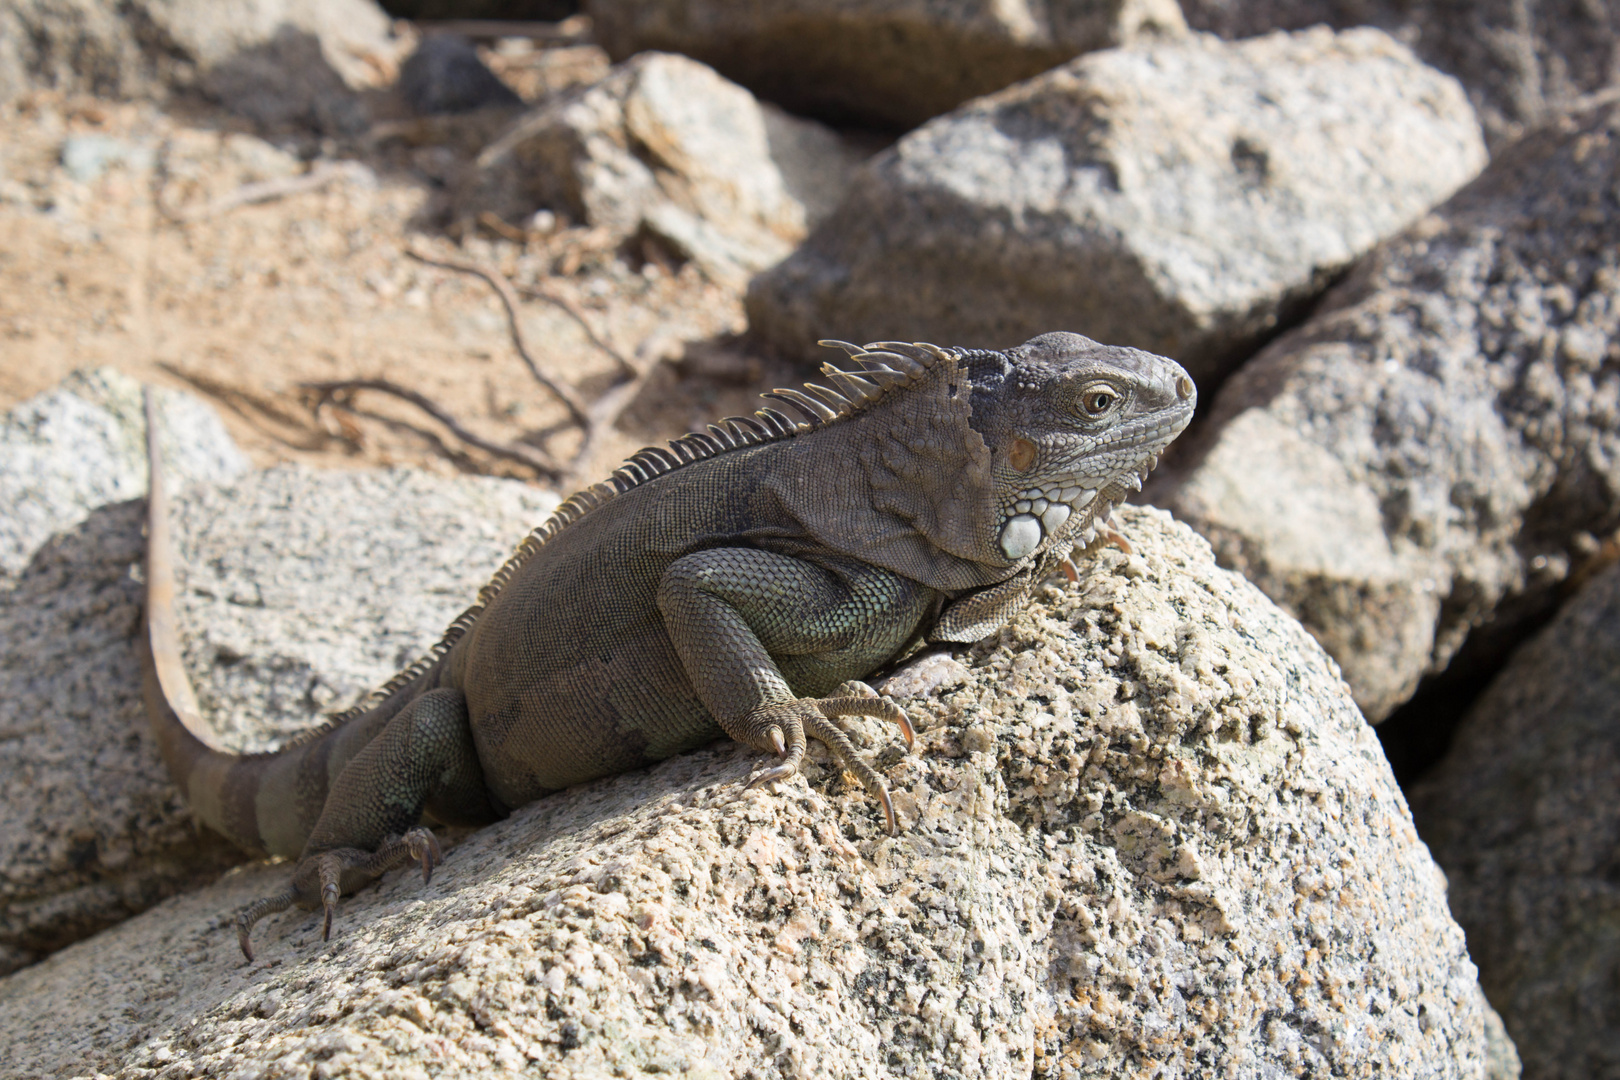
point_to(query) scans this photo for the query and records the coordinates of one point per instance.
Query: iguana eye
(1098, 399)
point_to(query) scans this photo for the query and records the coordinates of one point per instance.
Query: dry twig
(531, 456)
(503, 288)
(262, 191)
(573, 310)
(593, 419)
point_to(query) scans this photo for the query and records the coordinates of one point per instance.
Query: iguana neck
(908, 488)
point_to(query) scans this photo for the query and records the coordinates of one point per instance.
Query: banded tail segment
(198, 767)
(229, 792)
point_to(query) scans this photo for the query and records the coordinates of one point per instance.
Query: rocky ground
(403, 289)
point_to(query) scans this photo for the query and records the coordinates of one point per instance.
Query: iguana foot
(1107, 536)
(322, 878)
(784, 727)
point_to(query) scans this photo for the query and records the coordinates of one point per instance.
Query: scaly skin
(739, 584)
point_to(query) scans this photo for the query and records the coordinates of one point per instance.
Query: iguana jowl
(733, 583)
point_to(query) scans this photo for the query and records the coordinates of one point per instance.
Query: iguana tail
(262, 802)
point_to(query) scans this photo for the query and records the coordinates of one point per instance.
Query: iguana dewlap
(731, 584)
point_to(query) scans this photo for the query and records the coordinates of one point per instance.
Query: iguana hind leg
(423, 758)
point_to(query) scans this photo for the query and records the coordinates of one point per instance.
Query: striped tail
(202, 770)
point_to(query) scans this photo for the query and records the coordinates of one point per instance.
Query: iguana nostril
(1185, 388)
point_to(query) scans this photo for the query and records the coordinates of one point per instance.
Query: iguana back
(727, 585)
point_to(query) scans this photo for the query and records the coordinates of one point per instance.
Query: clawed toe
(331, 871)
(813, 717)
(775, 772)
(321, 879)
(424, 848)
(879, 707)
(257, 910)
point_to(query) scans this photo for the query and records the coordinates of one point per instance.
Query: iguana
(735, 583)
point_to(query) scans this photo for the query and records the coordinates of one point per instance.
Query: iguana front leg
(755, 630)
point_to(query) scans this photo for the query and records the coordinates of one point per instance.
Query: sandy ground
(119, 245)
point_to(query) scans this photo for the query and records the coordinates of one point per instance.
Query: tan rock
(1149, 833)
(1416, 470)
(665, 144)
(1181, 197)
(889, 62)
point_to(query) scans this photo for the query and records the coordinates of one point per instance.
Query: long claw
(255, 911)
(1111, 535)
(882, 794)
(775, 772)
(904, 721)
(331, 871)
(424, 847)
(776, 741)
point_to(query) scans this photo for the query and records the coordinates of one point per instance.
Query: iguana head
(960, 468)
(1072, 427)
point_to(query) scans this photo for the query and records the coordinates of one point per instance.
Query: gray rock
(446, 75)
(87, 157)
(299, 591)
(666, 145)
(1149, 834)
(1523, 61)
(72, 45)
(1501, 1055)
(83, 445)
(1524, 815)
(277, 62)
(1177, 197)
(89, 833)
(1433, 452)
(884, 62)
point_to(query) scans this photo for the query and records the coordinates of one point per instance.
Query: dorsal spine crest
(884, 367)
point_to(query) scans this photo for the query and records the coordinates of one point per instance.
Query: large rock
(664, 144)
(1524, 814)
(1145, 832)
(1522, 61)
(888, 62)
(83, 445)
(1180, 198)
(299, 591)
(278, 62)
(1432, 453)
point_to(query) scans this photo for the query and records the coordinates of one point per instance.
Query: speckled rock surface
(1435, 452)
(664, 144)
(1524, 814)
(274, 61)
(300, 590)
(893, 63)
(83, 445)
(1145, 832)
(1521, 60)
(1180, 197)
